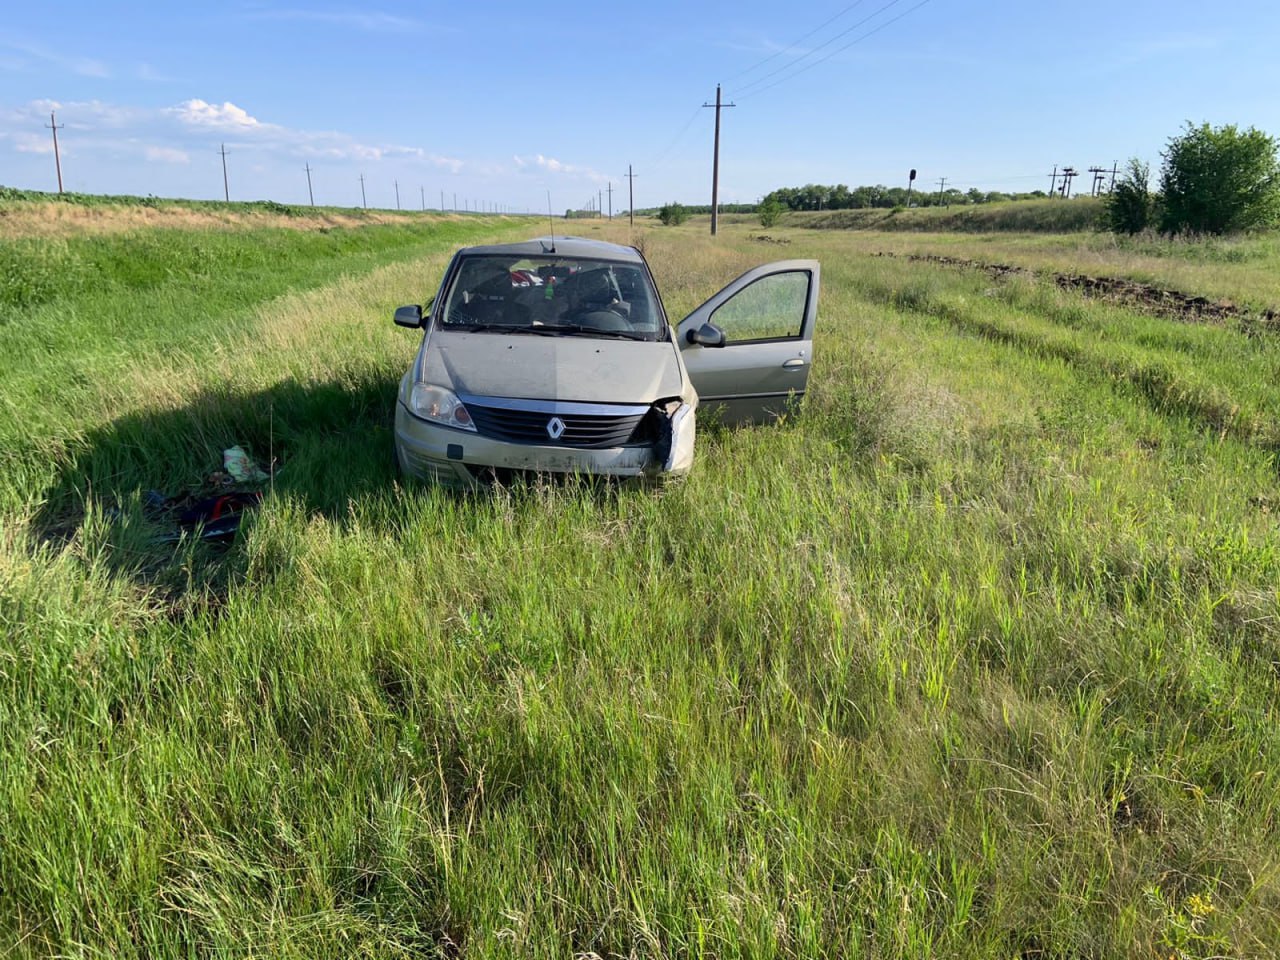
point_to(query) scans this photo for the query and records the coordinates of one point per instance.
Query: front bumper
(461, 458)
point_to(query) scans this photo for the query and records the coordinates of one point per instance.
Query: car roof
(559, 246)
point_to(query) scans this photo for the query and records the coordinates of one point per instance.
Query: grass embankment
(1021, 216)
(39, 214)
(974, 657)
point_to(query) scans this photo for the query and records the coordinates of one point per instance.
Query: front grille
(588, 431)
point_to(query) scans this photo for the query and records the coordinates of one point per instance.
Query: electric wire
(674, 140)
(809, 53)
(794, 44)
(864, 36)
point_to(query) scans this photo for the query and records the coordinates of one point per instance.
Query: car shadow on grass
(325, 445)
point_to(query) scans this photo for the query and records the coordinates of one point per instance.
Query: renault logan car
(555, 356)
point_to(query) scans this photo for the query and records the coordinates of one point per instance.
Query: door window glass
(772, 308)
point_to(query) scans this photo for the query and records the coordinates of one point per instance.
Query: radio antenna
(552, 220)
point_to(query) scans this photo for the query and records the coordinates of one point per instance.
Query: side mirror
(707, 335)
(410, 316)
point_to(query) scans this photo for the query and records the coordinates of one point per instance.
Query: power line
(792, 46)
(826, 43)
(839, 50)
(655, 161)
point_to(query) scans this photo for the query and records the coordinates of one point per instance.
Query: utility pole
(942, 183)
(311, 195)
(423, 190)
(57, 157)
(1068, 174)
(226, 191)
(454, 208)
(631, 196)
(610, 199)
(363, 199)
(397, 185)
(1053, 181)
(1098, 174)
(1112, 188)
(442, 201)
(715, 165)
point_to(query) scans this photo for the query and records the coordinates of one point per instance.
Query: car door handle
(795, 363)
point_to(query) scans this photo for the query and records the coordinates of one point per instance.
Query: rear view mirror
(707, 335)
(410, 316)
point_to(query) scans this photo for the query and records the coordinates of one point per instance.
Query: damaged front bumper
(462, 458)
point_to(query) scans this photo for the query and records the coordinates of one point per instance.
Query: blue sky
(498, 103)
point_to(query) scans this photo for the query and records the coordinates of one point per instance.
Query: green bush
(1129, 205)
(770, 212)
(673, 214)
(1219, 180)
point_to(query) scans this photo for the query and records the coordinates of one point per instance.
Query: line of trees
(815, 196)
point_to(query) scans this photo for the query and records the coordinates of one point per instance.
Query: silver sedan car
(555, 356)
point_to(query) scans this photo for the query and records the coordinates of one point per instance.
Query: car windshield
(553, 297)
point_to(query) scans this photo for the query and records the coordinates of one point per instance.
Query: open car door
(749, 347)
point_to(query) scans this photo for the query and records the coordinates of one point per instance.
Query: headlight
(439, 406)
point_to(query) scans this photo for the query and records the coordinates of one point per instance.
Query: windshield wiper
(576, 329)
(494, 328)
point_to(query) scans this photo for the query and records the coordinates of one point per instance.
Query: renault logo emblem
(555, 428)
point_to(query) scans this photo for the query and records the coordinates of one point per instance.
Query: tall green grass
(1022, 216)
(971, 656)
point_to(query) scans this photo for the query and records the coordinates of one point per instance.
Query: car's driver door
(767, 317)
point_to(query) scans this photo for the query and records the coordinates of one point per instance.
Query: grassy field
(976, 655)
(1019, 216)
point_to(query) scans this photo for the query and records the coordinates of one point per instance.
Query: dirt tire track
(1173, 304)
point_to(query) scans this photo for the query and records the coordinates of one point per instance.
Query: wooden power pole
(631, 195)
(715, 164)
(57, 157)
(226, 190)
(310, 195)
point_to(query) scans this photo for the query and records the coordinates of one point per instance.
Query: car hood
(552, 368)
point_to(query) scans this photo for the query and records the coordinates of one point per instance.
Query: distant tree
(1219, 179)
(770, 211)
(975, 196)
(1129, 205)
(673, 214)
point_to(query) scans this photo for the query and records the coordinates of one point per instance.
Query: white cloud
(175, 134)
(371, 21)
(552, 165)
(167, 155)
(199, 113)
(145, 71)
(84, 66)
(31, 143)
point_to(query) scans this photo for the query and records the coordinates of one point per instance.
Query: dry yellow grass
(54, 219)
